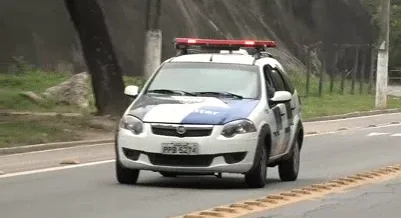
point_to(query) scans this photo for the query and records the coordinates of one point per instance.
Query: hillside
(44, 36)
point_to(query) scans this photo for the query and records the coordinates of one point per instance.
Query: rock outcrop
(29, 32)
(74, 91)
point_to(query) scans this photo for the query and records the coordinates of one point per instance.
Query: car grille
(190, 131)
(181, 160)
(204, 160)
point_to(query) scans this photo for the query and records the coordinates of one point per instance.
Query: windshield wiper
(168, 91)
(221, 93)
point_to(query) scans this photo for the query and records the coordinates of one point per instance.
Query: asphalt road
(92, 191)
(372, 201)
(52, 158)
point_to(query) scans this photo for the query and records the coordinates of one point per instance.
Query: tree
(373, 6)
(108, 86)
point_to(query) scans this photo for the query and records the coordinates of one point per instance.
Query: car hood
(191, 110)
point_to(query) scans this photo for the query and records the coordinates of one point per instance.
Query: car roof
(224, 58)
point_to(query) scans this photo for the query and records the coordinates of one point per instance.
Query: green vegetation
(373, 6)
(11, 85)
(23, 130)
(333, 103)
(341, 104)
(27, 129)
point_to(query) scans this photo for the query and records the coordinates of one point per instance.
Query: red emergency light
(222, 43)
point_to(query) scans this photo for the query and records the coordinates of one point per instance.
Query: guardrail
(394, 76)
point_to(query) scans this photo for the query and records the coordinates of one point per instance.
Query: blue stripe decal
(214, 115)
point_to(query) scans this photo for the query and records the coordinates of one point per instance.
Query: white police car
(210, 113)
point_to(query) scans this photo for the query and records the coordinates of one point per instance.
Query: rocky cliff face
(43, 34)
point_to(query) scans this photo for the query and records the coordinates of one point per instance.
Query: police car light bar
(220, 43)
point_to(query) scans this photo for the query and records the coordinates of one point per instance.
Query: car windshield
(229, 80)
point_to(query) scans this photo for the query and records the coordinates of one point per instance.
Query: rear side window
(278, 81)
(287, 82)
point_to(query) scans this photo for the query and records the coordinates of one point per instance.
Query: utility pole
(153, 38)
(382, 58)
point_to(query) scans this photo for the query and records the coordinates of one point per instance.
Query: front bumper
(216, 153)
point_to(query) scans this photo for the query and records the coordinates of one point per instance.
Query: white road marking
(54, 169)
(353, 118)
(111, 161)
(353, 129)
(397, 134)
(58, 149)
(378, 133)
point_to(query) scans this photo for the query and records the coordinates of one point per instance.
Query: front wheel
(125, 175)
(289, 169)
(256, 177)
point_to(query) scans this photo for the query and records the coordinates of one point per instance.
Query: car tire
(288, 169)
(256, 177)
(126, 175)
(168, 174)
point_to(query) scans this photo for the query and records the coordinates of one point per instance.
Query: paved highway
(92, 191)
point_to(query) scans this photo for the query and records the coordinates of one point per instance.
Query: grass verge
(24, 130)
(27, 130)
(335, 103)
(341, 104)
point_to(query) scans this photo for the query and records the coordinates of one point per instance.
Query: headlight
(238, 127)
(132, 124)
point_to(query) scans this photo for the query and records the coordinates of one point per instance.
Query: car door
(290, 108)
(279, 111)
(285, 117)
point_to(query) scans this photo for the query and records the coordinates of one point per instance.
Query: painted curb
(353, 114)
(49, 146)
(285, 198)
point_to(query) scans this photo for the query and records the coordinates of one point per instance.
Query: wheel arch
(265, 138)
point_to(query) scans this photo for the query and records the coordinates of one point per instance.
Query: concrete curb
(49, 146)
(353, 114)
(51, 114)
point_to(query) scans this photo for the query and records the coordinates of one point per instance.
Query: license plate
(180, 148)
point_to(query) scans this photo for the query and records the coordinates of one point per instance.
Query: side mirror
(281, 97)
(131, 91)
